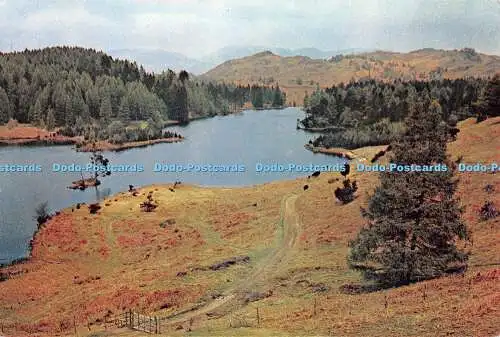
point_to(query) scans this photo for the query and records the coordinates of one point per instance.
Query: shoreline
(107, 146)
(332, 151)
(327, 128)
(39, 141)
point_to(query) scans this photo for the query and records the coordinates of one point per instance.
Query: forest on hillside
(85, 92)
(371, 112)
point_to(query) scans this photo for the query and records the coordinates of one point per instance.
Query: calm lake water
(243, 139)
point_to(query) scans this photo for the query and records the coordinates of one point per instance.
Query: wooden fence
(137, 321)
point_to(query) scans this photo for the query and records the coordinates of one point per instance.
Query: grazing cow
(316, 174)
(306, 187)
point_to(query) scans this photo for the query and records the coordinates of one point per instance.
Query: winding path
(263, 271)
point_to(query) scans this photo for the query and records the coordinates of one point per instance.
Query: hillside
(298, 74)
(288, 250)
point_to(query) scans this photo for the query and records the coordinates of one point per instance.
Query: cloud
(195, 27)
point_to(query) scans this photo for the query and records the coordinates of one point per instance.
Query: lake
(245, 139)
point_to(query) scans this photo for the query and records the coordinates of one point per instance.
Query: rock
(229, 262)
(319, 288)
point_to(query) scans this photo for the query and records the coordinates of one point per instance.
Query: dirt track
(263, 271)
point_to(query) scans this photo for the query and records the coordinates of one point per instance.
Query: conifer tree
(490, 102)
(5, 113)
(105, 111)
(413, 218)
(124, 112)
(50, 119)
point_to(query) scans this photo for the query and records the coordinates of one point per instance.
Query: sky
(200, 27)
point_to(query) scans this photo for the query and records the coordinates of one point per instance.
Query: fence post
(131, 319)
(258, 316)
(315, 306)
(156, 324)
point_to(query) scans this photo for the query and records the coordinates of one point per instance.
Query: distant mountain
(158, 60)
(298, 74)
(232, 52)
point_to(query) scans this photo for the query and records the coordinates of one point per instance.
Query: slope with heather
(86, 267)
(298, 74)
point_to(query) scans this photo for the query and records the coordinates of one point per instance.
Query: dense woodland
(86, 92)
(372, 112)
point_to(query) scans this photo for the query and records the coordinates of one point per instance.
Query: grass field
(85, 266)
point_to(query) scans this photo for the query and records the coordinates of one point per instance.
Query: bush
(118, 138)
(42, 213)
(346, 193)
(488, 211)
(12, 123)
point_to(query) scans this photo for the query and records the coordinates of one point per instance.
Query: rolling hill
(159, 60)
(298, 74)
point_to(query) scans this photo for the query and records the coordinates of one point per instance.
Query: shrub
(12, 123)
(346, 193)
(488, 211)
(42, 213)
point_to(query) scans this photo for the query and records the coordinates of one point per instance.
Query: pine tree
(413, 218)
(5, 112)
(37, 113)
(105, 111)
(50, 121)
(258, 98)
(490, 102)
(277, 97)
(124, 112)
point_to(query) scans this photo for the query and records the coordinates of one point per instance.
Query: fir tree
(105, 111)
(5, 112)
(124, 112)
(414, 220)
(490, 102)
(50, 121)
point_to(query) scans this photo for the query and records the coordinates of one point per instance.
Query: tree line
(371, 112)
(86, 92)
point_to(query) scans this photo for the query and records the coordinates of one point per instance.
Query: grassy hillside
(299, 74)
(87, 266)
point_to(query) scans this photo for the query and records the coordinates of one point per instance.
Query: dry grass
(84, 265)
(26, 133)
(298, 74)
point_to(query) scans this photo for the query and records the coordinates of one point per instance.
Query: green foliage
(413, 218)
(382, 132)
(257, 97)
(59, 86)
(357, 107)
(278, 97)
(42, 213)
(50, 121)
(5, 112)
(489, 103)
